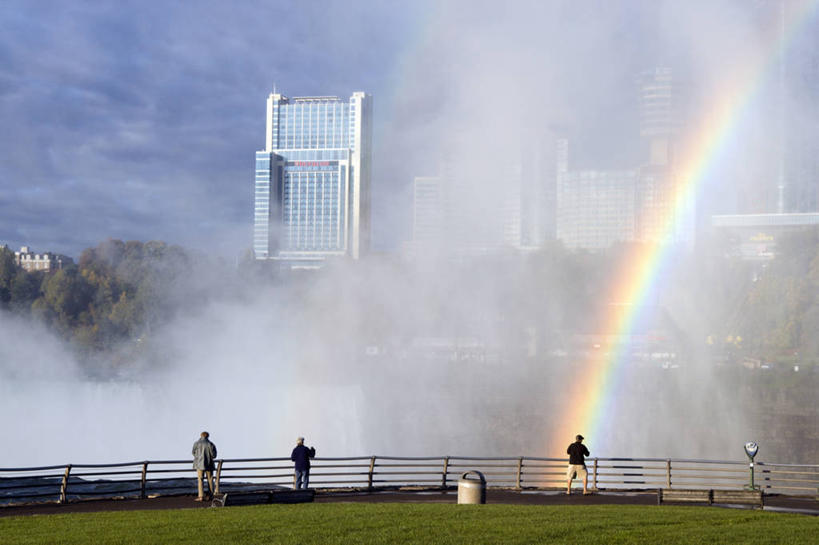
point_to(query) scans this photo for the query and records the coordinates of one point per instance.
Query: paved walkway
(803, 505)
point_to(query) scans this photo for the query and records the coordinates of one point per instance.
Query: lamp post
(751, 449)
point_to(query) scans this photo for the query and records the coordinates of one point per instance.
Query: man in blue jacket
(301, 456)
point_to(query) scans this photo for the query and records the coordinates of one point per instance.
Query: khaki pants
(209, 475)
(580, 470)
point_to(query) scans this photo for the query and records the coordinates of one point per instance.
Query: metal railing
(151, 478)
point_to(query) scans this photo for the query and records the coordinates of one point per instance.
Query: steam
(436, 356)
(379, 356)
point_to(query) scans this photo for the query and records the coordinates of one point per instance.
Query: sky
(139, 120)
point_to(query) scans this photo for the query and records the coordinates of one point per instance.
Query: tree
(67, 295)
(25, 289)
(8, 270)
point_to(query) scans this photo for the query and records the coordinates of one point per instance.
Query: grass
(416, 523)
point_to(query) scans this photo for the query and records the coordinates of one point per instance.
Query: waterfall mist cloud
(376, 357)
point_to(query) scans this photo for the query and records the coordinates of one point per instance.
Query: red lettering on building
(311, 163)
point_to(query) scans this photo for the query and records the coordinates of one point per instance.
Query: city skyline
(121, 123)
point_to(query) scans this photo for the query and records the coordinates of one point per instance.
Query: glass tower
(312, 188)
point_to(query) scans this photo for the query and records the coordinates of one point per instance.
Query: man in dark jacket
(301, 456)
(577, 464)
(204, 452)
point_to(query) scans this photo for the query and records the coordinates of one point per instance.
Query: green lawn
(416, 523)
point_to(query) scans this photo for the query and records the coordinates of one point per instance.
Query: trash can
(472, 490)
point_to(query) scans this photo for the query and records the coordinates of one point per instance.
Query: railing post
(370, 474)
(143, 479)
(520, 470)
(64, 485)
(594, 480)
(668, 473)
(218, 475)
(444, 472)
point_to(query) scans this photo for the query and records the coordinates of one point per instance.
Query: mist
(462, 355)
(381, 356)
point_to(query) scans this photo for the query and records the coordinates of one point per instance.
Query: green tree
(25, 289)
(66, 299)
(8, 270)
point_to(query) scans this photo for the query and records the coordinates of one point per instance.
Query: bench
(258, 497)
(678, 495)
(741, 497)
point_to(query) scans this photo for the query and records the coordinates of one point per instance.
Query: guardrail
(151, 478)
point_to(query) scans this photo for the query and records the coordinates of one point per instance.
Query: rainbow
(593, 393)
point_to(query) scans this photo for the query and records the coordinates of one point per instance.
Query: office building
(595, 208)
(428, 227)
(780, 172)
(754, 237)
(537, 189)
(475, 206)
(659, 216)
(659, 115)
(799, 186)
(312, 186)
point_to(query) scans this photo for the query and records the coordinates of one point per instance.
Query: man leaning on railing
(301, 456)
(577, 452)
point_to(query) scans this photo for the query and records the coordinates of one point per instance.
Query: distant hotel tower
(597, 208)
(312, 193)
(659, 177)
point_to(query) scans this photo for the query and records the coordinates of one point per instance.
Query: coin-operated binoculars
(751, 449)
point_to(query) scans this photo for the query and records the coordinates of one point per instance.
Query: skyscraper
(428, 227)
(595, 208)
(659, 115)
(312, 190)
(798, 185)
(660, 125)
(486, 196)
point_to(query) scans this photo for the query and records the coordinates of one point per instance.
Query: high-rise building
(780, 167)
(659, 115)
(658, 217)
(428, 211)
(799, 77)
(537, 189)
(595, 208)
(480, 203)
(312, 190)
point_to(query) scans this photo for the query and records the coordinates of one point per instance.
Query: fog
(440, 355)
(374, 357)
